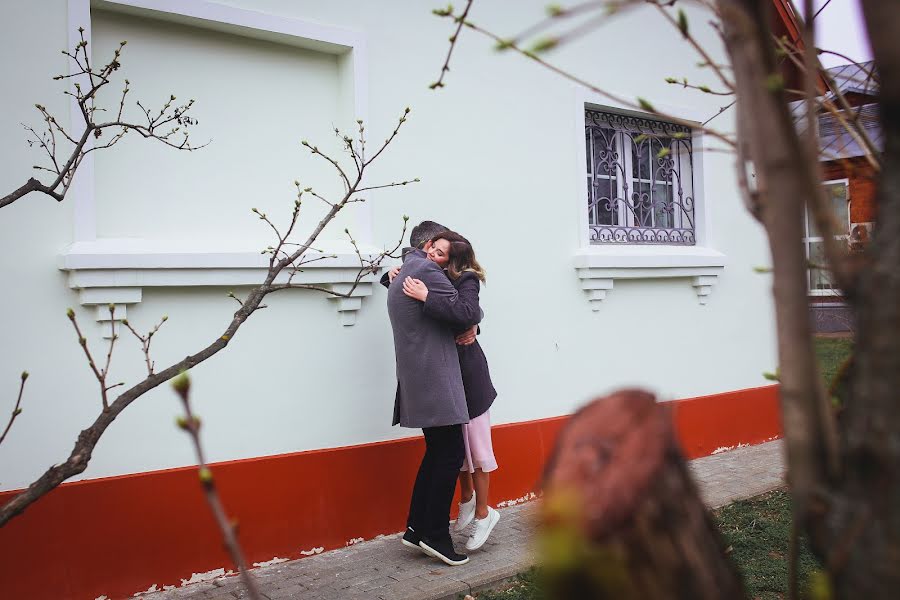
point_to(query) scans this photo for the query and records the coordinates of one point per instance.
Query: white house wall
(497, 153)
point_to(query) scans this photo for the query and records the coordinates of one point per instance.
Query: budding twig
(169, 126)
(147, 339)
(17, 410)
(191, 424)
(460, 21)
(640, 104)
(681, 24)
(100, 375)
(79, 457)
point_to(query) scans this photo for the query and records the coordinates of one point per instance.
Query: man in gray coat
(429, 396)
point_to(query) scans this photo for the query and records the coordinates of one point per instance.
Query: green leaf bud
(555, 10)
(775, 83)
(24, 375)
(181, 383)
(682, 23)
(645, 105)
(545, 44)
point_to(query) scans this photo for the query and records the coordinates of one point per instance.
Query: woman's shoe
(483, 529)
(443, 550)
(466, 514)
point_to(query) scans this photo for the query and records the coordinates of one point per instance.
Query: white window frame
(598, 266)
(807, 239)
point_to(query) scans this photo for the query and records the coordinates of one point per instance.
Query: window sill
(115, 271)
(598, 267)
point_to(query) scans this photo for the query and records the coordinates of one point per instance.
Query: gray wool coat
(430, 389)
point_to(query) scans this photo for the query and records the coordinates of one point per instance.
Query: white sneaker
(466, 514)
(483, 529)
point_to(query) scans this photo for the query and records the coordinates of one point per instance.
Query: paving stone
(383, 569)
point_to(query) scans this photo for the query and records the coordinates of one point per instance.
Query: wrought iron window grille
(639, 180)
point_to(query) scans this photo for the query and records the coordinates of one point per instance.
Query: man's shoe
(466, 514)
(443, 551)
(411, 539)
(483, 529)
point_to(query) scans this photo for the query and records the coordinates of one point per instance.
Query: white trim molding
(348, 45)
(598, 267)
(115, 271)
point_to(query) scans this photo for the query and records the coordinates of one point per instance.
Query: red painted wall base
(120, 535)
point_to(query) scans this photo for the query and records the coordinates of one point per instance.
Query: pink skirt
(479, 449)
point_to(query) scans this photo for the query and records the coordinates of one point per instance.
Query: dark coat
(430, 390)
(462, 313)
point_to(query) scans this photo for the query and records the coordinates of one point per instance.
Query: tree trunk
(865, 518)
(621, 516)
(787, 177)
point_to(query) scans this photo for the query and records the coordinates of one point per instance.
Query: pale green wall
(496, 152)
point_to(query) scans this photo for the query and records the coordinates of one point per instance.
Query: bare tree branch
(681, 24)
(640, 104)
(171, 122)
(191, 424)
(785, 177)
(147, 339)
(851, 126)
(99, 374)
(87, 440)
(459, 25)
(17, 410)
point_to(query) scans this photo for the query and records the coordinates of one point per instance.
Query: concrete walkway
(383, 569)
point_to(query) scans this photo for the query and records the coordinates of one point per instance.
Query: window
(819, 279)
(639, 179)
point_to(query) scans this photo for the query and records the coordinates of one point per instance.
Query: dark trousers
(429, 507)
